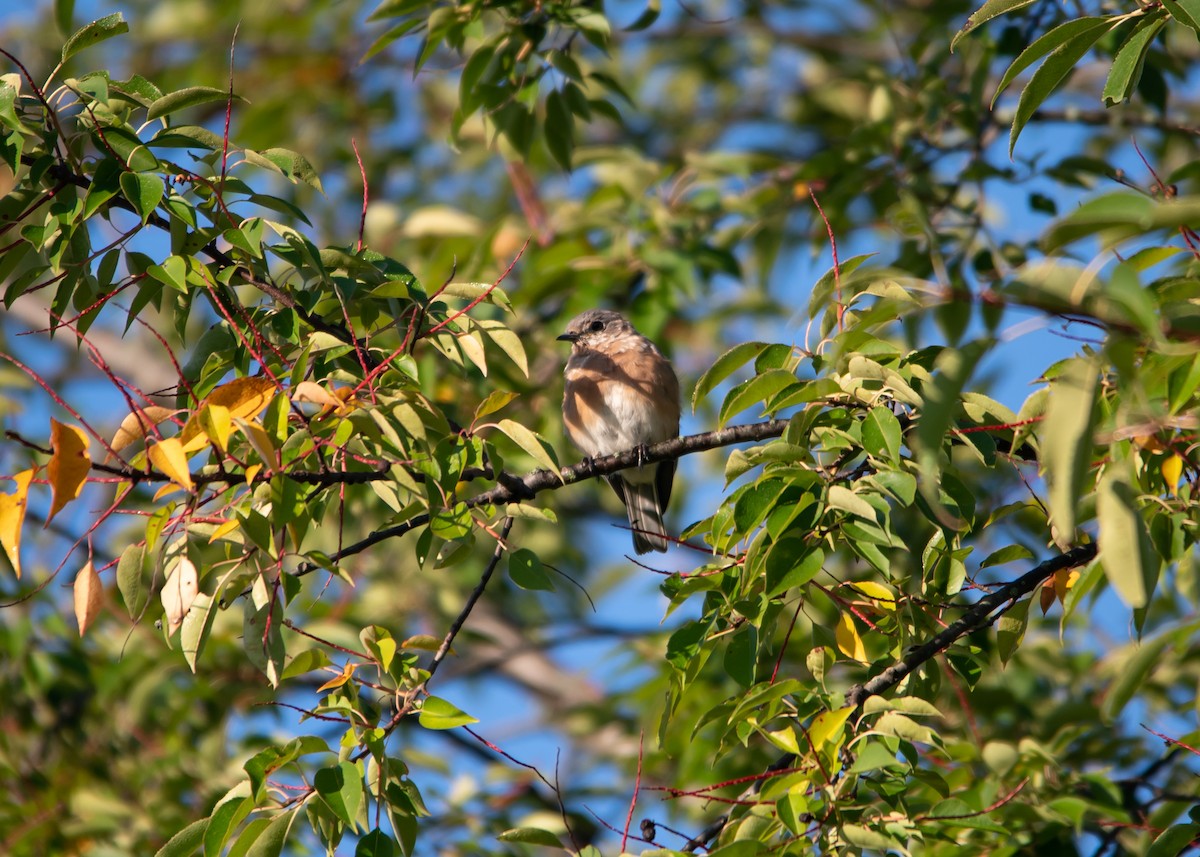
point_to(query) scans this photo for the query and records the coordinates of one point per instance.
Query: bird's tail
(645, 516)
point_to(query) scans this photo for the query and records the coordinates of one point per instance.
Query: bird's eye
(596, 326)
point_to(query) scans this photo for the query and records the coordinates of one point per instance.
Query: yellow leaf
(137, 425)
(179, 592)
(785, 740)
(880, 595)
(223, 529)
(88, 590)
(339, 680)
(164, 490)
(251, 472)
(12, 515)
(1172, 470)
(217, 422)
(69, 464)
(848, 641)
(826, 724)
(169, 457)
(242, 397)
(260, 440)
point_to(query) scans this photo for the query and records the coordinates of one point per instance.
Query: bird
(620, 393)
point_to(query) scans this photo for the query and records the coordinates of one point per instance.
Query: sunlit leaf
(12, 516)
(88, 595)
(178, 592)
(168, 456)
(437, 713)
(69, 464)
(849, 642)
(1067, 443)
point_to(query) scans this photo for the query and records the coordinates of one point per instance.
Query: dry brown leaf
(179, 592)
(88, 594)
(137, 425)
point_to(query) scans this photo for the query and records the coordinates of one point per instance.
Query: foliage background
(689, 165)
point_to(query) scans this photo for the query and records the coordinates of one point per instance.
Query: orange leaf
(338, 681)
(1064, 579)
(69, 464)
(12, 515)
(243, 397)
(1048, 593)
(179, 592)
(137, 425)
(169, 457)
(88, 591)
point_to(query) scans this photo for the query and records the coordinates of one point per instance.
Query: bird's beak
(568, 337)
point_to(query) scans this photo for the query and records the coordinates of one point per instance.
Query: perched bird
(621, 393)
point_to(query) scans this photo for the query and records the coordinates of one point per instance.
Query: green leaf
(437, 713)
(791, 562)
(270, 842)
(131, 581)
(989, 10)
(1131, 56)
(129, 148)
(473, 71)
(195, 629)
(527, 571)
(1010, 629)
(187, 137)
(1048, 42)
(1131, 675)
(186, 841)
(144, 192)
(531, 836)
(292, 164)
(725, 365)
(841, 497)
(1174, 840)
(64, 14)
(266, 654)
(881, 433)
(189, 97)
(943, 396)
(376, 844)
(230, 811)
(496, 400)
(650, 15)
(341, 787)
(559, 129)
(1067, 441)
(1008, 554)
(533, 445)
(1054, 71)
(755, 390)
(1126, 552)
(1186, 12)
(741, 655)
(172, 272)
(93, 33)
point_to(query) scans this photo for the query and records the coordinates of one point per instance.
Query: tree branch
(977, 617)
(513, 488)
